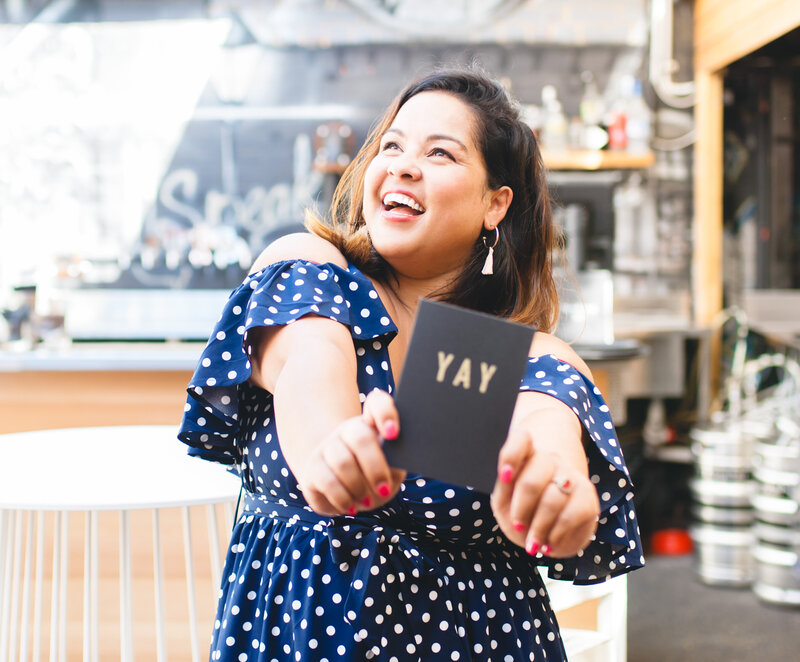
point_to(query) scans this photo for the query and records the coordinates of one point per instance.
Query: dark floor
(673, 617)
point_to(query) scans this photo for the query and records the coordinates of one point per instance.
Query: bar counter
(90, 384)
(143, 383)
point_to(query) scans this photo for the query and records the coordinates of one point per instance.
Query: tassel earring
(488, 265)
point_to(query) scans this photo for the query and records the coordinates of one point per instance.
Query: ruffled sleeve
(616, 547)
(279, 294)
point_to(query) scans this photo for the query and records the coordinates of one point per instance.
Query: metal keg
(725, 516)
(777, 575)
(732, 494)
(722, 468)
(777, 507)
(724, 555)
(781, 484)
(776, 499)
(783, 455)
(747, 482)
(722, 492)
(714, 466)
(775, 534)
(725, 437)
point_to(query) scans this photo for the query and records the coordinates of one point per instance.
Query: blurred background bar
(152, 149)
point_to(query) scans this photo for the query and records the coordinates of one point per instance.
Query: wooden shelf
(570, 160)
(329, 168)
(597, 160)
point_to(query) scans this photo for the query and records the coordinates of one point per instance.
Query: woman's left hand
(541, 500)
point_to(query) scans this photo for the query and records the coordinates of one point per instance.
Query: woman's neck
(401, 295)
(408, 290)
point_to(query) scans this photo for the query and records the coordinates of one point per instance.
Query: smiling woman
(477, 137)
(339, 555)
(427, 197)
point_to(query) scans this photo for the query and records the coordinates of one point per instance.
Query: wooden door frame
(724, 31)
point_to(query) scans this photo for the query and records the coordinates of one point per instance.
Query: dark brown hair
(522, 287)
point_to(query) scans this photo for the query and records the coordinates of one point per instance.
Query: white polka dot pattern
(428, 576)
(616, 547)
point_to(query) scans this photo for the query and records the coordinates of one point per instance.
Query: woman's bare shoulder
(546, 343)
(300, 246)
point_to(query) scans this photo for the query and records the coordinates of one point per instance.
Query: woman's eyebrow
(433, 136)
(444, 136)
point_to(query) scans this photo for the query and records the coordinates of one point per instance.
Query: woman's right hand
(347, 471)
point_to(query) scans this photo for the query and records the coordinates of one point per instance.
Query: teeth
(399, 199)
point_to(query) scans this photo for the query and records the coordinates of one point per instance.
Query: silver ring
(565, 485)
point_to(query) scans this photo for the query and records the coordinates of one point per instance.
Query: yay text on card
(463, 375)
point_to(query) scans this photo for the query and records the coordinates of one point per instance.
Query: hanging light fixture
(435, 18)
(239, 56)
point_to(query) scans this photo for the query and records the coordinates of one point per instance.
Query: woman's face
(426, 196)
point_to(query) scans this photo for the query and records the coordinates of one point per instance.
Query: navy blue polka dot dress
(429, 576)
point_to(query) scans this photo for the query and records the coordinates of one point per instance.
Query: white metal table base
(22, 580)
(35, 539)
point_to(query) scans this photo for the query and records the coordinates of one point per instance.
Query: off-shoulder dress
(429, 576)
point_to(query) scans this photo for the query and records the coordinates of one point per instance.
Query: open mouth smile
(399, 203)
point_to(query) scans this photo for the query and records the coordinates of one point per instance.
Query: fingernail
(390, 430)
(383, 490)
(546, 549)
(366, 502)
(506, 473)
(532, 547)
(518, 526)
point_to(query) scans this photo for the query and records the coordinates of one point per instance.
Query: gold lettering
(444, 362)
(463, 375)
(487, 372)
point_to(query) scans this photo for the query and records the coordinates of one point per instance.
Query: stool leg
(95, 597)
(229, 515)
(26, 589)
(88, 606)
(126, 638)
(63, 585)
(37, 588)
(612, 618)
(6, 559)
(214, 549)
(189, 555)
(158, 571)
(54, 590)
(16, 572)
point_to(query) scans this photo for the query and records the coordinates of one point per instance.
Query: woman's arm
(309, 366)
(545, 450)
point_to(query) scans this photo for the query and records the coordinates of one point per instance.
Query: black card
(457, 394)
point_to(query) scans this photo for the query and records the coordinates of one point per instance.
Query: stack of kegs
(722, 493)
(723, 485)
(777, 509)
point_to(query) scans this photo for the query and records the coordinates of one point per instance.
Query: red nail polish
(532, 548)
(366, 502)
(351, 510)
(518, 526)
(383, 490)
(506, 473)
(390, 430)
(546, 549)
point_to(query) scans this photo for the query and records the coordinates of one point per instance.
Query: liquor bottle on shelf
(592, 109)
(638, 119)
(555, 129)
(629, 119)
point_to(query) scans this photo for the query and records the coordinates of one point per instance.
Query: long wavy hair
(522, 288)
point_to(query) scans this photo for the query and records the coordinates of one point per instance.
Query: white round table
(91, 470)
